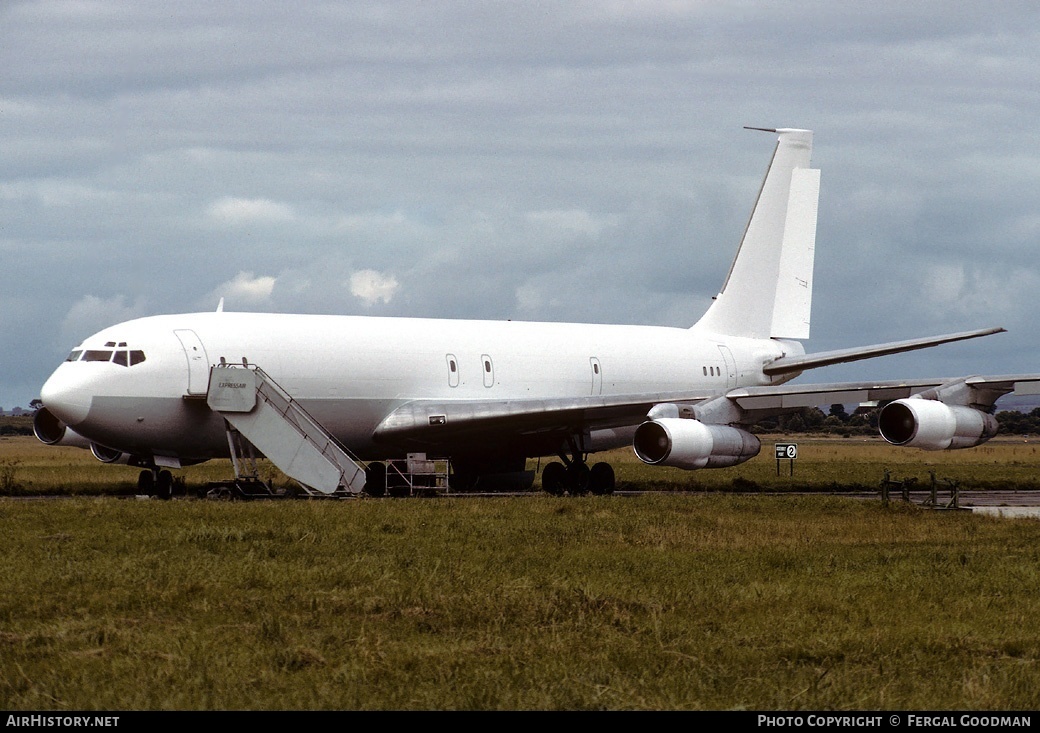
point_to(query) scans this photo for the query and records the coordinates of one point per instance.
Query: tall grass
(664, 601)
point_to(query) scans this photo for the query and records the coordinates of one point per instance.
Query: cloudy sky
(565, 161)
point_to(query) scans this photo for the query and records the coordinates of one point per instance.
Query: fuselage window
(705, 370)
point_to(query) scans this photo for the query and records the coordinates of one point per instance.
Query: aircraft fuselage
(351, 372)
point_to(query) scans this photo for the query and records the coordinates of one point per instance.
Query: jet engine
(49, 430)
(108, 455)
(932, 425)
(689, 444)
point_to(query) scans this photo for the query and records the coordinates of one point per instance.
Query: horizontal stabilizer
(789, 364)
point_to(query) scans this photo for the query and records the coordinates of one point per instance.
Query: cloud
(562, 161)
(246, 288)
(970, 292)
(90, 314)
(238, 211)
(572, 223)
(371, 286)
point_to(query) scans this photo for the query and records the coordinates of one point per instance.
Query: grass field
(663, 601)
(27, 467)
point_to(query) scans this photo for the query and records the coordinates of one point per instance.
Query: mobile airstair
(261, 416)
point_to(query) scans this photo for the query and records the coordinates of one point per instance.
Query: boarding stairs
(260, 414)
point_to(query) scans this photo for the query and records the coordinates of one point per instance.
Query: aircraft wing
(983, 391)
(426, 424)
(431, 422)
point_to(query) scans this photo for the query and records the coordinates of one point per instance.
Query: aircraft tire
(146, 483)
(554, 478)
(601, 479)
(164, 485)
(578, 474)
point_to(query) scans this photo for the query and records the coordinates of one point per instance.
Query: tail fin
(768, 292)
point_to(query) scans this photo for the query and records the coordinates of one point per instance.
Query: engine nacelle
(689, 444)
(50, 430)
(931, 425)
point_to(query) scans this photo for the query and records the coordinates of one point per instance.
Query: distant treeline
(16, 424)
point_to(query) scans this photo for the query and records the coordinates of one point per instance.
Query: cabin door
(198, 363)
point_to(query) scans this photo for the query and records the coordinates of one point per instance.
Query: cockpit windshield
(115, 352)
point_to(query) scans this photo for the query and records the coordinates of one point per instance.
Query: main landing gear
(575, 477)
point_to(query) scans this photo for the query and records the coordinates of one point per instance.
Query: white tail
(768, 292)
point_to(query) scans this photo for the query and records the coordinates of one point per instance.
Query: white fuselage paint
(351, 372)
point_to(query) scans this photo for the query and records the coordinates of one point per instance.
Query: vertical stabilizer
(768, 292)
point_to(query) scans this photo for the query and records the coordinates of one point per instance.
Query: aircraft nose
(67, 396)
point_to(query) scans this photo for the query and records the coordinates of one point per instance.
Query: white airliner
(167, 391)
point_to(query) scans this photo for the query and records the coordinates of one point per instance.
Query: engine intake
(50, 430)
(690, 444)
(107, 455)
(932, 425)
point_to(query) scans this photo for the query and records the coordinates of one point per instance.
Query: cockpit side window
(97, 355)
(74, 356)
